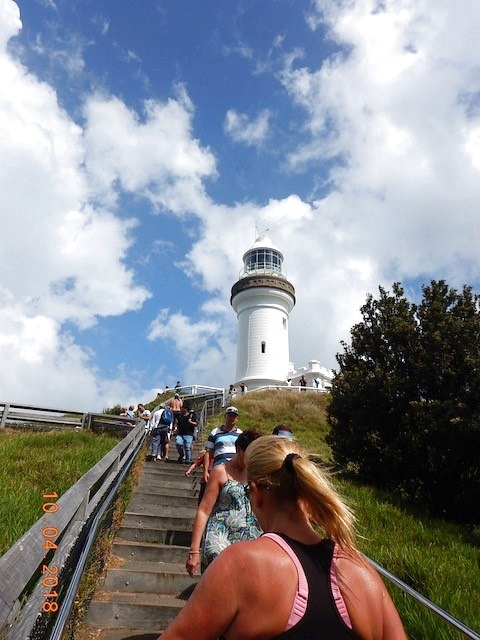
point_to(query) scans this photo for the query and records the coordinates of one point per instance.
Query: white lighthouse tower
(262, 299)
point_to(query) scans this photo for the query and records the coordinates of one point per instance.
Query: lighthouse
(262, 298)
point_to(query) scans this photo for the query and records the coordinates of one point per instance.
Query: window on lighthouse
(263, 259)
(263, 347)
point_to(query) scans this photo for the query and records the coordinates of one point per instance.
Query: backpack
(166, 418)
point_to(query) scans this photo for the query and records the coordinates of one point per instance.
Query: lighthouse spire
(260, 235)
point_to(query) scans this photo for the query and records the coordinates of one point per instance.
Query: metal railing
(431, 606)
(25, 567)
(289, 388)
(68, 601)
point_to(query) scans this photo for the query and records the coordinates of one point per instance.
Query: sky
(142, 143)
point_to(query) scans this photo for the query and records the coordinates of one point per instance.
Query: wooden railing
(17, 415)
(38, 562)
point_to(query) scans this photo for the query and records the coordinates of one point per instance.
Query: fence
(290, 389)
(40, 560)
(17, 415)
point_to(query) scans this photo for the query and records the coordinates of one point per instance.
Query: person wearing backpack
(161, 427)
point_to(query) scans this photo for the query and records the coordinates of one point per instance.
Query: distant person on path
(154, 442)
(161, 426)
(185, 432)
(175, 404)
(131, 411)
(178, 385)
(220, 444)
(303, 383)
(224, 513)
(288, 382)
(282, 430)
(145, 414)
(292, 582)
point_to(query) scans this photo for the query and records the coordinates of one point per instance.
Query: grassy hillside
(32, 464)
(304, 413)
(438, 559)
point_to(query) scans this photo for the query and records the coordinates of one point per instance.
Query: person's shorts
(164, 436)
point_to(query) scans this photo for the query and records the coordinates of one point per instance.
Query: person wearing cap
(221, 442)
(304, 578)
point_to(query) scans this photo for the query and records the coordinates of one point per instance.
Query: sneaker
(180, 458)
(159, 457)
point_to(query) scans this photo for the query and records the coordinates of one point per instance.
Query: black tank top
(321, 620)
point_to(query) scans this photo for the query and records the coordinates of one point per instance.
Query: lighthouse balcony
(267, 270)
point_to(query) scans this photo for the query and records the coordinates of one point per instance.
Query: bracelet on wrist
(192, 551)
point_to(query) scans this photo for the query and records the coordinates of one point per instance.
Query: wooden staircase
(145, 583)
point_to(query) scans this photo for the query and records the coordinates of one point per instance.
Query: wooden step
(129, 610)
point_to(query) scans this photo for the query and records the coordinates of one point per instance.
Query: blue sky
(141, 142)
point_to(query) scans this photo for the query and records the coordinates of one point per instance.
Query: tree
(405, 403)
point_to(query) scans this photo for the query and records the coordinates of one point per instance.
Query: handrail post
(81, 513)
(6, 409)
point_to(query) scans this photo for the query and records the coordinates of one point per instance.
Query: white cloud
(248, 132)
(64, 247)
(10, 24)
(156, 156)
(396, 106)
(206, 347)
(394, 112)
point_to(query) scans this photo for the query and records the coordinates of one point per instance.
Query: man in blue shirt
(221, 442)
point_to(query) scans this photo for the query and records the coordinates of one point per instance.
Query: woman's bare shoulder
(218, 473)
(369, 605)
(357, 575)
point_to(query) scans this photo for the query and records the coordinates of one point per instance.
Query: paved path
(145, 584)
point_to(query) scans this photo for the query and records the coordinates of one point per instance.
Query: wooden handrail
(23, 563)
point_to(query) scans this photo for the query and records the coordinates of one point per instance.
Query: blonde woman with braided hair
(292, 583)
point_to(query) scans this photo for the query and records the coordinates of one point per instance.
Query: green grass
(32, 464)
(305, 413)
(438, 559)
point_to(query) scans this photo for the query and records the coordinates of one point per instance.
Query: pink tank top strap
(337, 594)
(301, 597)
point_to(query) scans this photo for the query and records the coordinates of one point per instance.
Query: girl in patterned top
(224, 514)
